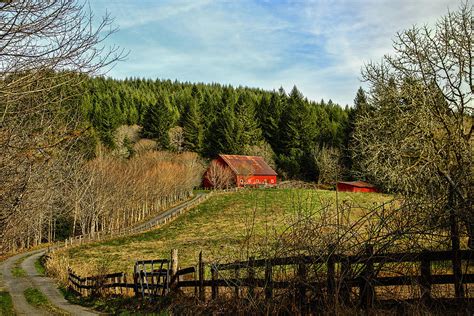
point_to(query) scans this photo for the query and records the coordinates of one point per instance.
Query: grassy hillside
(222, 227)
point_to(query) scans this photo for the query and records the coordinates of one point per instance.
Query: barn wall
(343, 187)
(357, 189)
(251, 180)
(256, 180)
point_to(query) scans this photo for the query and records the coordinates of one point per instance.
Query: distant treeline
(209, 119)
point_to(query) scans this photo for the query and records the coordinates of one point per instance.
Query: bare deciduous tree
(109, 194)
(45, 48)
(328, 162)
(176, 136)
(219, 176)
(417, 137)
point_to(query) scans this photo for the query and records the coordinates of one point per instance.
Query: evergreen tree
(225, 132)
(158, 121)
(361, 108)
(360, 102)
(290, 124)
(229, 133)
(249, 131)
(218, 119)
(269, 116)
(297, 137)
(193, 128)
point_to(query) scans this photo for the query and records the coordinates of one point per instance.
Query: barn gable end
(248, 170)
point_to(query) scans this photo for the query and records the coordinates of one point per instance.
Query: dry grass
(225, 228)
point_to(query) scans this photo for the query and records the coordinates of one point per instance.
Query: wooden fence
(338, 276)
(157, 221)
(118, 283)
(329, 278)
(114, 283)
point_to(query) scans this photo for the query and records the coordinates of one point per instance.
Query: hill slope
(224, 227)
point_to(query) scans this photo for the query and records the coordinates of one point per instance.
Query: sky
(318, 45)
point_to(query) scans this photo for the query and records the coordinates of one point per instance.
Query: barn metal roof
(359, 184)
(248, 165)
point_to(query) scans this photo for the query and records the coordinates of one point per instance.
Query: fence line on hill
(157, 221)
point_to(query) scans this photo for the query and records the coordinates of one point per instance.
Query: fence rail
(369, 264)
(159, 220)
(93, 285)
(335, 282)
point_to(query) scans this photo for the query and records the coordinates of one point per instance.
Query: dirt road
(17, 285)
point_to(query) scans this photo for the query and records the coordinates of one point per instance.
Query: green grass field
(6, 305)
(36, 298)
(39, 266)
(221, 227)
(17, 271)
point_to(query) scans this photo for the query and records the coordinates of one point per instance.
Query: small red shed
(247, 170)
(355, 186)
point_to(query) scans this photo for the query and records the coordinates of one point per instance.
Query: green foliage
(298, 132)
(269, 114)
(36, 298)
(39, 266)
(217, 119)
(361, 108)
(220, 227)
(6, 304)
(193, 128)
(250, 132)
(18, 272)
(158, 121)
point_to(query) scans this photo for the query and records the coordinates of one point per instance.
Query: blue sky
(317, 45)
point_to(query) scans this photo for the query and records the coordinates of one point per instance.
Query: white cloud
(318, 45)
(129, 14)
(359, 31)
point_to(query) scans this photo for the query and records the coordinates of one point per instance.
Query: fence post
(251, 276)
(69, 283)
(455, 246)
(124, 281)
(201, 278)
(345, 287)
(174, 262)
(425, 281)
(214, 277)
(237, 282)
(268, 281)
(331, 275)
(89, 288)
(135, 280)
(82, 289)
(366, 286)
(302, 273)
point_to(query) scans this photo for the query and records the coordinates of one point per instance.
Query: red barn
(246, 170)
(355, 186)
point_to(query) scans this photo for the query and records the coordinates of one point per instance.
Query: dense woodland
(287, 129)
